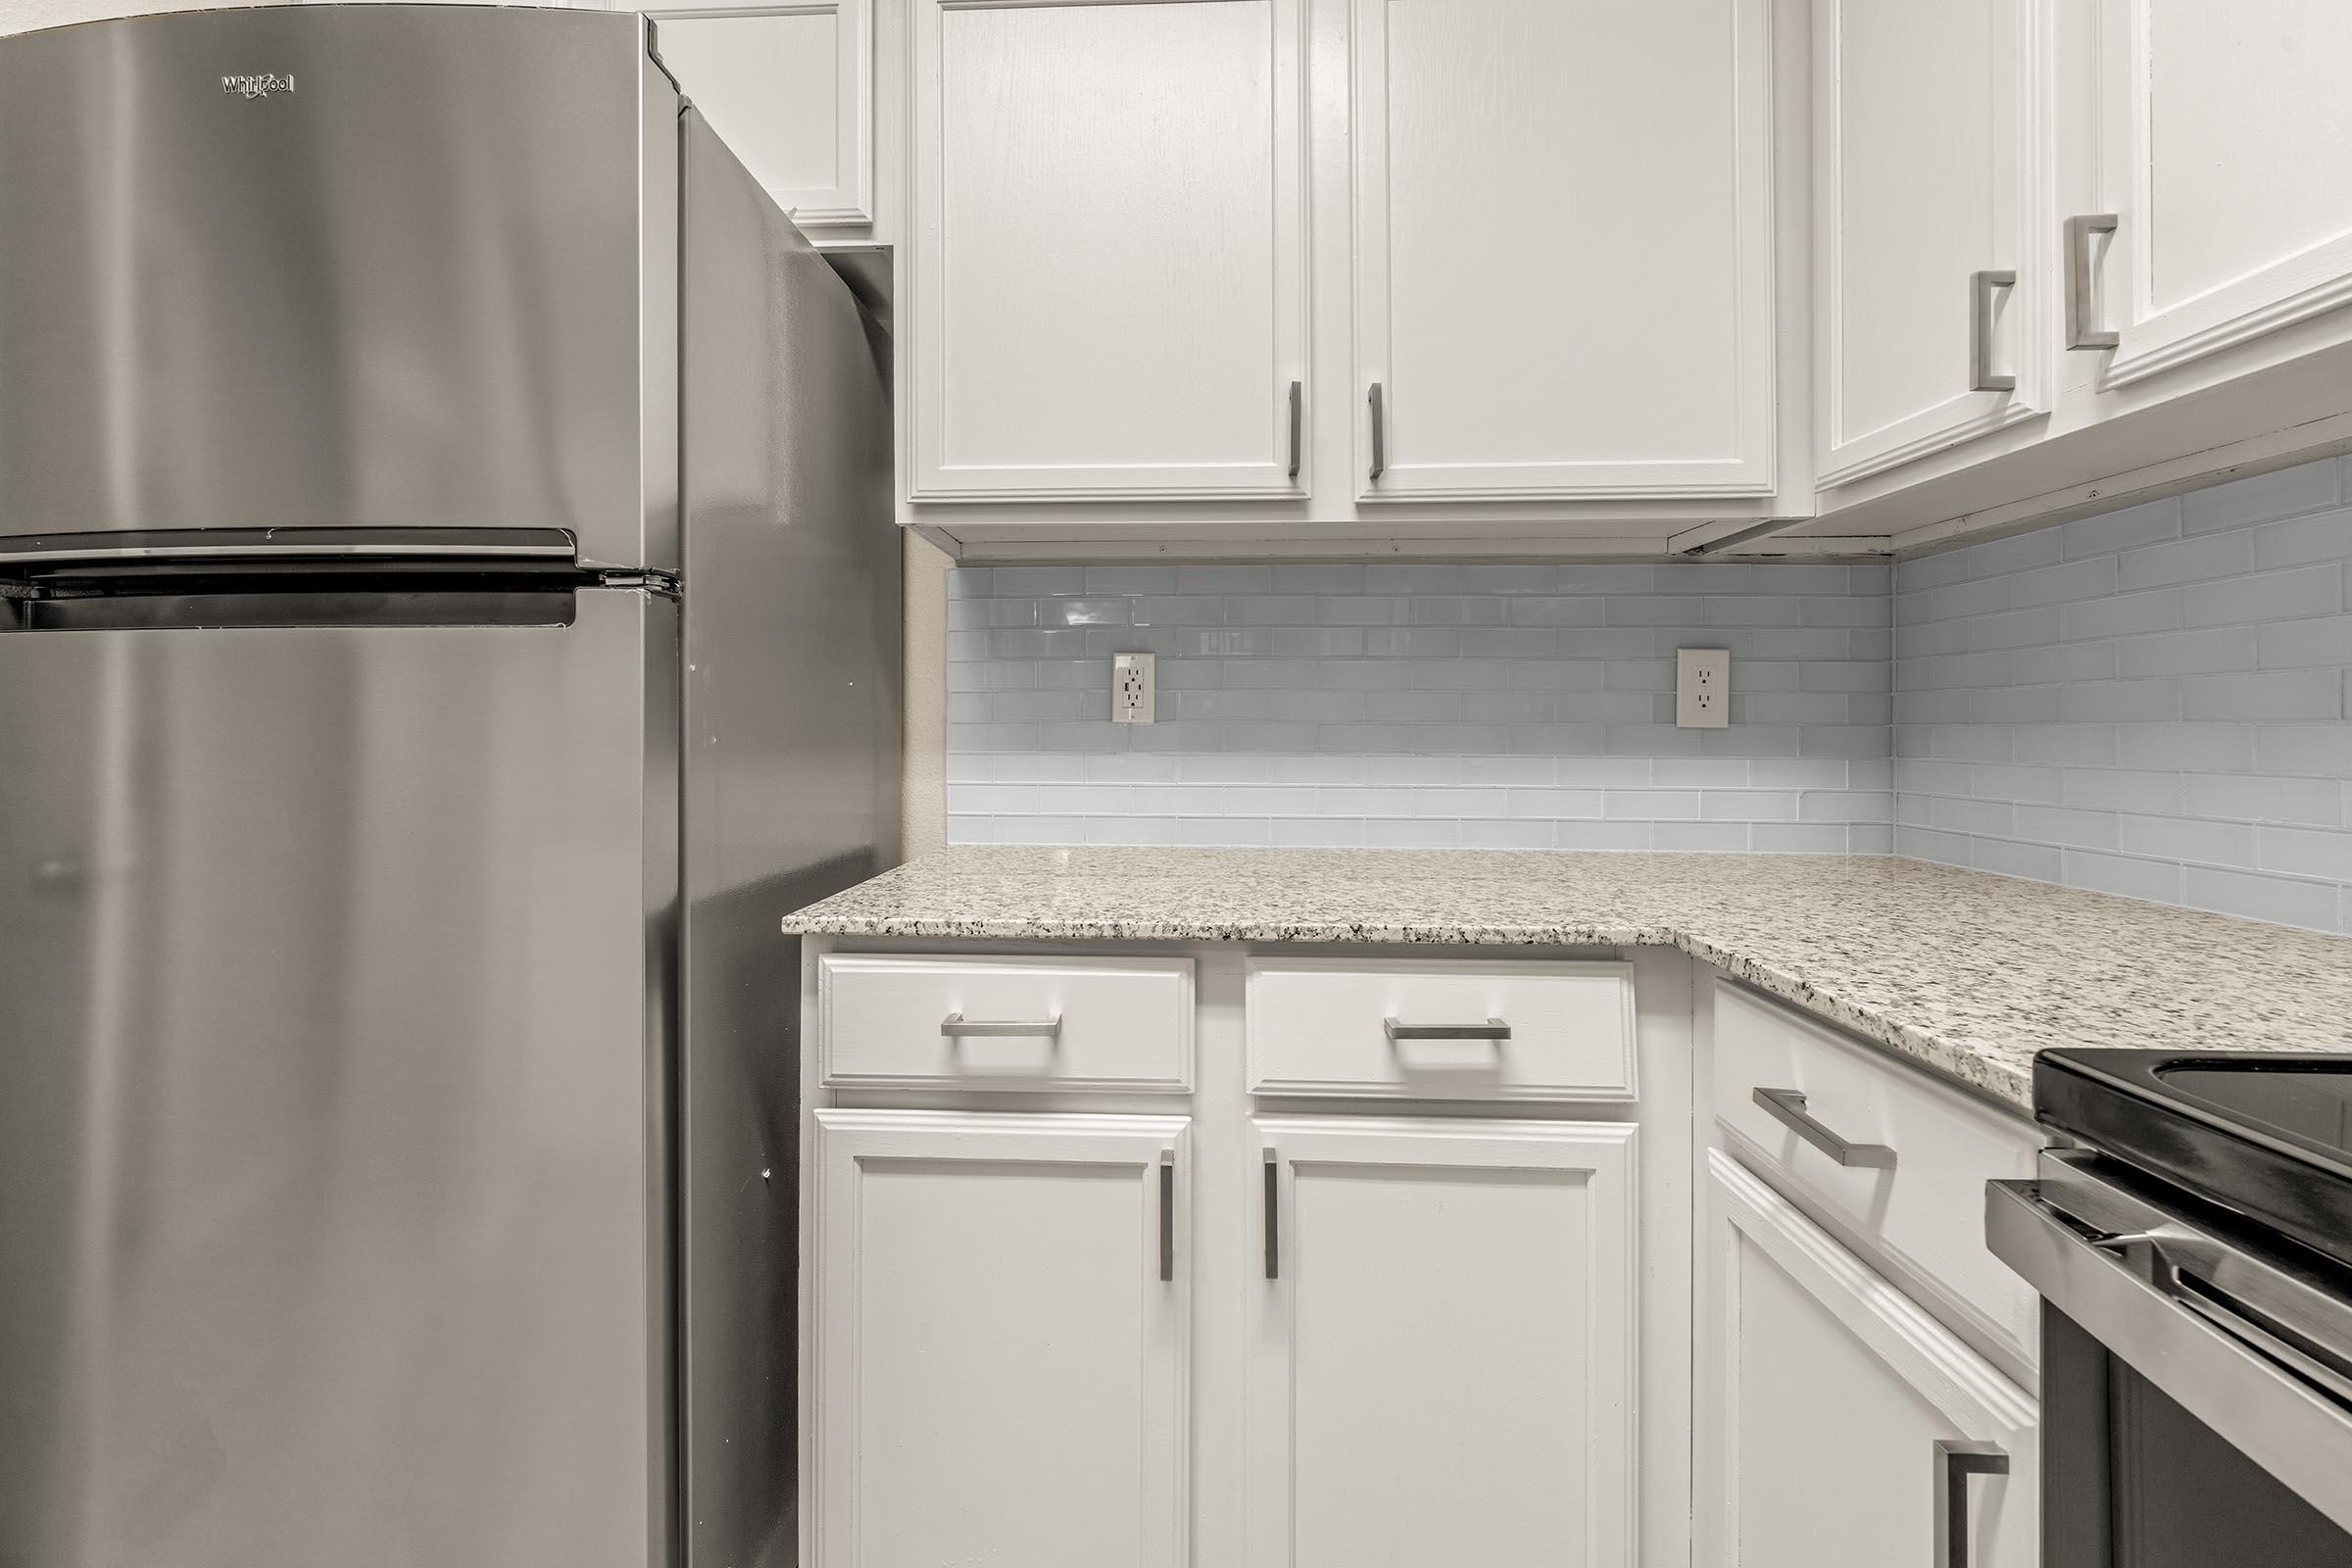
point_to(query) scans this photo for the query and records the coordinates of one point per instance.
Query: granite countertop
(1968, 972)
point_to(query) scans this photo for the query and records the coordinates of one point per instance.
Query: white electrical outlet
(1702, 688)
(1131, 688)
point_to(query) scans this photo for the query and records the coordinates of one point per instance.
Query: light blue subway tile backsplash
(2150, 702)
(2178, 732)
(1424, 704)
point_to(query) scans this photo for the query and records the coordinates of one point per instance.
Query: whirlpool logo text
(257, 86)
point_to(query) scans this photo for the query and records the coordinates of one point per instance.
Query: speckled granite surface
(1968, 972)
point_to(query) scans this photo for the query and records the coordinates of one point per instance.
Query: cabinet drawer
(1925, 1212)
(1448, 1029)
(916, 1022)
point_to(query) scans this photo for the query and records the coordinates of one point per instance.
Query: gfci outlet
(1131, 688)
(1702, 688)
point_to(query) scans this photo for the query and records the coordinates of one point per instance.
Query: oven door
(2196, 1391)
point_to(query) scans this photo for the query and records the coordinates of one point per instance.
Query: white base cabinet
(1442, 1349)
(1001, 1326)
(1829, 1405)
(1045, 1324)
(1140, 1311)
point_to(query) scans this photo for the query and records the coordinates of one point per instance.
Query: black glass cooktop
(2309, 1101)
(2266, 1136)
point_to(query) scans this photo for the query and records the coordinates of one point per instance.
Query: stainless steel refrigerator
(447, 613)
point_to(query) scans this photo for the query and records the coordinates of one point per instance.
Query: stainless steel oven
(2192, 1246)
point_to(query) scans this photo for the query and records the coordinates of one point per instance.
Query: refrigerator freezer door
(332, 1211)
(370, 266)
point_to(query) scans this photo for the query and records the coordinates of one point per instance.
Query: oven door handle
(2161, 1254)
(2124, 1290)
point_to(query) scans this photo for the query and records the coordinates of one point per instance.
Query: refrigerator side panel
(333, 954)
(661, 905)
(657, 238)
(792, 780)
(322, 265)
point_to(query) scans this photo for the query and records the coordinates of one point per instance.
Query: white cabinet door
(1563, 248)
(1000, 1340)
(1442, 1361)
(1827, 1400)
(1109, 257)
(790, 89)
(2223, 158)
(1931, 155)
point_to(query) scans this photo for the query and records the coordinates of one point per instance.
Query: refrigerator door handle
(194, 546)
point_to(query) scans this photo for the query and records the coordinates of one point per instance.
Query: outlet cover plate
(1702, 688)
(1133, 688)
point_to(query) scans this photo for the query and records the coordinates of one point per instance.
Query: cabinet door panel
(2222, 152)
(1546, 314)
(787, 87)
(1444, 1371)
(1109, 263)
(1824, 1393)
(1931, 148)
(1001, 1365)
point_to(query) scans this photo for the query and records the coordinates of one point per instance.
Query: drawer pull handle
(1787, 1107)
(1955, 1462)
(1167, 1215)
(955, 1026)
(1491, 1029)
(1273, 1216)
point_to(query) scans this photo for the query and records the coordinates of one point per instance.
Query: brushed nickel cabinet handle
(1955, 1462)
(1167, 1215)
(2079, 305)
(1981, 375)
(1273, 1216)
(1297, 423)
(955, 1026)
(1491, 1029)
(1380, 435)
(1787, 1107)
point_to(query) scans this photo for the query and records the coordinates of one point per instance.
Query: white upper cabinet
(2222, 161)
(1248, 277)
(1929, 149)
(1563, 264)
(1108, 274)
(1444, 1344)
(790, 89)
